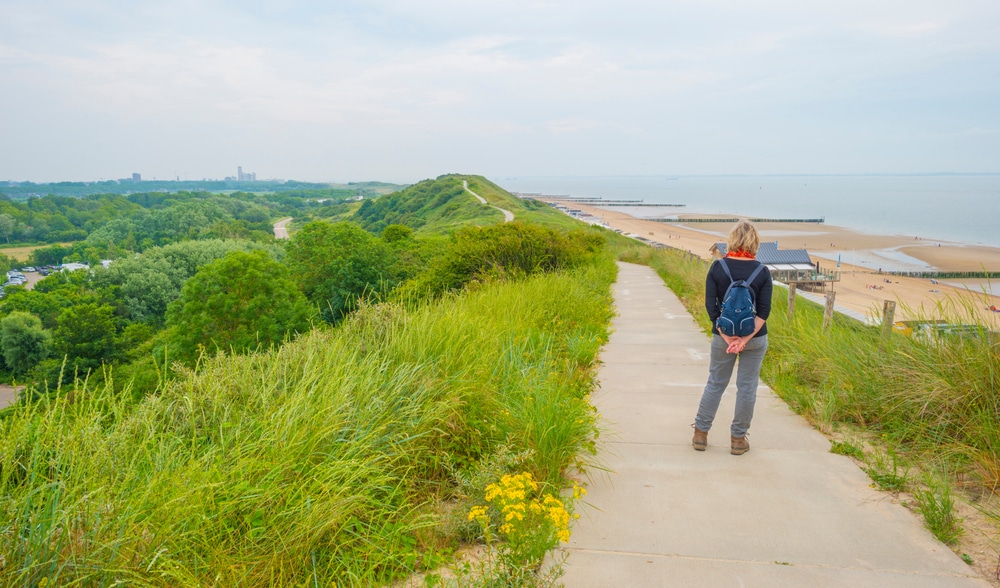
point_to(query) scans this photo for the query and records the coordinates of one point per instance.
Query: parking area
(28, 279)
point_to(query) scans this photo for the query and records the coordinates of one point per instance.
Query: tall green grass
(324, 461)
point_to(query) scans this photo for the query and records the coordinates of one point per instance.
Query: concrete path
(508, 216)
(8, 394)
(281, 228)
(787, 514)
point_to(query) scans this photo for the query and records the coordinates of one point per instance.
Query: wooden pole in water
(888, 313)
(791, 300)
(828, 311)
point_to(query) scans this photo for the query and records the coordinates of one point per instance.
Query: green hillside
(442, 205)
(188, 435)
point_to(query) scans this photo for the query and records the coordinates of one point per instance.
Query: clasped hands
(736, 344)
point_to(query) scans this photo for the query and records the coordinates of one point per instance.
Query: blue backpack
(738, 306)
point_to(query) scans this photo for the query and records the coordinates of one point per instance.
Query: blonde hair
(743, 237)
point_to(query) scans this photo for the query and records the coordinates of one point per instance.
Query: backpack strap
(753, 276)
(725, 268)
(749, 283)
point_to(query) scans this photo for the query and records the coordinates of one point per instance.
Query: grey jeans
(720, 370)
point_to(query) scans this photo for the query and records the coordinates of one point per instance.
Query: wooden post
(828, 312)
(888, 312)
(791, 300)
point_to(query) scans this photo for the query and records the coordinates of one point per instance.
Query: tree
(336, 264)
(146, 284)
(7, 226)
(237, 303)
(51, 255)
(23, 340)
(396, 233)
(85, 333)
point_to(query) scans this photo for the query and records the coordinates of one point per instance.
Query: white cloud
(638, 75)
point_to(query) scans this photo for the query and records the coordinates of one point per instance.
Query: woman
(740, 259)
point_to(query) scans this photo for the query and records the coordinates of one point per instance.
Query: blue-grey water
(960, 208)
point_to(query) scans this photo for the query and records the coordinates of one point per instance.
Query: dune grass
(326, 461)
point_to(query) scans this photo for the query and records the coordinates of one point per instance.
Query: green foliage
(7, 263)
(51, 219)
(430, 206)
(238, 303)
(337, 264)
(314, 463)
(524, 210)
(888, 470)
(288, 193)
(937, 506)
(52, 255)
(520, 524)
(23, 340)
(509, 249)
(848, 449)
(85, 333)
(145, 285)
(396, 233)
(51, 296)
(7, 226)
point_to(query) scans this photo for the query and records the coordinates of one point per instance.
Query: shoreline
(861, 288)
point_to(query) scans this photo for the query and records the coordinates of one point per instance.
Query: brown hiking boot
(700, 439)
(738, 445)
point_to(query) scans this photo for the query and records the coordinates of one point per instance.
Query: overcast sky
(403, 90)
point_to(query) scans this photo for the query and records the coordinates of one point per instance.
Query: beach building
(788, 266)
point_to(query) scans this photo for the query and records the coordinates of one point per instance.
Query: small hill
(443, 204)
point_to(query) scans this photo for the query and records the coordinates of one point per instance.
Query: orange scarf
(740, 255)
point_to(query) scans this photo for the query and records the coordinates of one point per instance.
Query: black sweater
(717, 282)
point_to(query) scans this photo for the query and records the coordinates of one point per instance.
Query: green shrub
(506, 250)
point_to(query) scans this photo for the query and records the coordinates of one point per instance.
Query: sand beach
(861, 289)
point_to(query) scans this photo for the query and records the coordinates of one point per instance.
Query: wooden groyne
(640, 203)
(594, 200)
(734, 219)
(944, 275)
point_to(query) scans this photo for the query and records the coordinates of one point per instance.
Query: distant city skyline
(399, 92)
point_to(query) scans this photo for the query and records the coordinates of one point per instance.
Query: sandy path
(915, 297)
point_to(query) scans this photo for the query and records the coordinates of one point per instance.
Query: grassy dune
(325, 461)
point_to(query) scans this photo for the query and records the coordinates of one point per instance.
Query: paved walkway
(787, 514)
(508, 216)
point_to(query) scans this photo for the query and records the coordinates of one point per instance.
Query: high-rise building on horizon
(136, 177)
(245, 177)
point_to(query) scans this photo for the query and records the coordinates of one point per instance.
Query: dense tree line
(113, 223)
(196, 274)
(25, 190)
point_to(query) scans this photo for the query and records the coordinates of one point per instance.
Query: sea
(948, 207)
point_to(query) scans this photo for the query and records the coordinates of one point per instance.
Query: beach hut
(788, 266)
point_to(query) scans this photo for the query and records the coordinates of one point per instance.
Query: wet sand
(861, 255)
